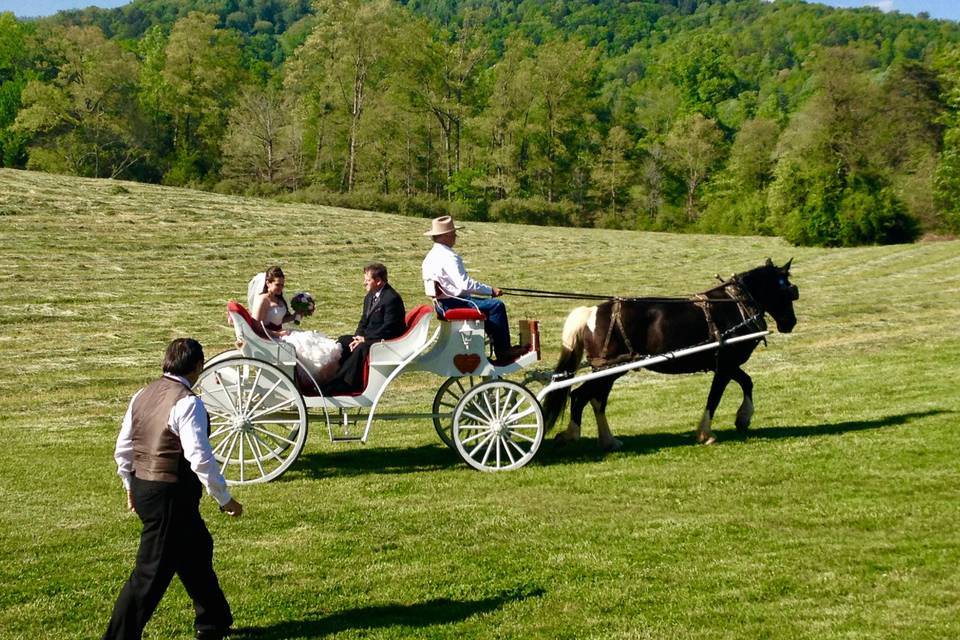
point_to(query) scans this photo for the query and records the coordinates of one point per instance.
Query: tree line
(829, 127)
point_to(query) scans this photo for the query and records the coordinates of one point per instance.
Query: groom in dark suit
(382, 319)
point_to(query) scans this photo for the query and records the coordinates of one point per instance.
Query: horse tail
(571, 353)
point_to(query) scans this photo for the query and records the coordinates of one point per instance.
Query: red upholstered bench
(464, 313)
(240, 310)
(413, 317)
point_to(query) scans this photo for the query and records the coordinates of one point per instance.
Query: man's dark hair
(182, 356)
(376, 270)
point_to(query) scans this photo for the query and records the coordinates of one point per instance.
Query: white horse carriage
(261, 400)
(259, 396)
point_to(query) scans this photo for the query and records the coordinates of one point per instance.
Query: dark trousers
(174, 540)
(349, 376)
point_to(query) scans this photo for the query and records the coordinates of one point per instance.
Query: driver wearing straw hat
(445, 278)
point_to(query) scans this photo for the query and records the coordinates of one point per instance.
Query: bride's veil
(255, 288)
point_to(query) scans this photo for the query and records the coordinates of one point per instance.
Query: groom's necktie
(373, 303)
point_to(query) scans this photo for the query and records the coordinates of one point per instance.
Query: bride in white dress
(317, 352)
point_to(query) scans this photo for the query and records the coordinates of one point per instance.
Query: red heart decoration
(466, 362)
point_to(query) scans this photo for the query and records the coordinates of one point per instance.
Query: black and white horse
(624, 329)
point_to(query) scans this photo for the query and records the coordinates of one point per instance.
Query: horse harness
(616, 321)
(750, 314)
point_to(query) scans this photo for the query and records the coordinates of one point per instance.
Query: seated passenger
(319, 354)
(382, 319)
(446, 279)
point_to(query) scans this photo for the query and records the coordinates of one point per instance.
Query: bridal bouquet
(302, 304)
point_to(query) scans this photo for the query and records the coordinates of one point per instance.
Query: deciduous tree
(257, 143)
(504, 129)
(15, 71)
(694, 146)
(439, 71)
(611, 174)
(565, 76)
(345, 60)
(84, 120)
(202, 73)
(947, 176)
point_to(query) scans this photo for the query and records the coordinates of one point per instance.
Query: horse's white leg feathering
(571, 433)
(607, 441)
(704, 434)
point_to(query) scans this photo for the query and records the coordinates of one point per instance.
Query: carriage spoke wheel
(446, 400)
(497, 426)
(258, 420)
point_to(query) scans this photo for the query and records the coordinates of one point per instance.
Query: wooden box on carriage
(530, 334)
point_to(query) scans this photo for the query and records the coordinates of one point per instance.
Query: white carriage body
(259, 396)
(455, 348)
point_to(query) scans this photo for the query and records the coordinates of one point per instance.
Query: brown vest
(157, 454)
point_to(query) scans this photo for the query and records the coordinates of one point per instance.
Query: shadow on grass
(356, 459)
(586, 450)
(799, 431)
(423, 614)
(433, 457)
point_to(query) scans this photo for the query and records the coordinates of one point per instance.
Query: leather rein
(750, 313)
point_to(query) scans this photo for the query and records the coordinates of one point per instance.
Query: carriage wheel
(446, 400)
(497, 426)
(258, 420)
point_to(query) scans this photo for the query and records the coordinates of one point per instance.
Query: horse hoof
(709, 440)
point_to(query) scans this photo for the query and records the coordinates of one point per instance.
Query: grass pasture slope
(836, 518)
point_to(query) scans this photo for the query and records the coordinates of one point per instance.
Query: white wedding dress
(318, 353)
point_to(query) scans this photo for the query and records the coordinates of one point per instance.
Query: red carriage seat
(241, 311)
(464, 313)
(413, 317)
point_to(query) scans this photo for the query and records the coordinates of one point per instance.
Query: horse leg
(720, 381)
(599, 404)
(745, 412)
(577, 404)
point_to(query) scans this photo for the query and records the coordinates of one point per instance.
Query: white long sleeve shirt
(444, 267)
(188, 421)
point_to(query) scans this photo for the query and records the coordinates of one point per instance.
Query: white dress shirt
(443, 266)
(188, 421)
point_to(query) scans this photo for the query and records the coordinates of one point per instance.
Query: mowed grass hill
(837, 517)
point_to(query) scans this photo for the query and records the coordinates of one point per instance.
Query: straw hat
(442, 226)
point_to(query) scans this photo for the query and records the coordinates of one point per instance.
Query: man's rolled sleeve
(189, 420)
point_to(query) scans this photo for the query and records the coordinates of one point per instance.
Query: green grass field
(836, 518)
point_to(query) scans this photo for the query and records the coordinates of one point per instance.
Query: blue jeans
(496, 326)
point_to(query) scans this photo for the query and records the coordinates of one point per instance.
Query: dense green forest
(826, 126)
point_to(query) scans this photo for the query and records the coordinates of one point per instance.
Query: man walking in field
(163, 456)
